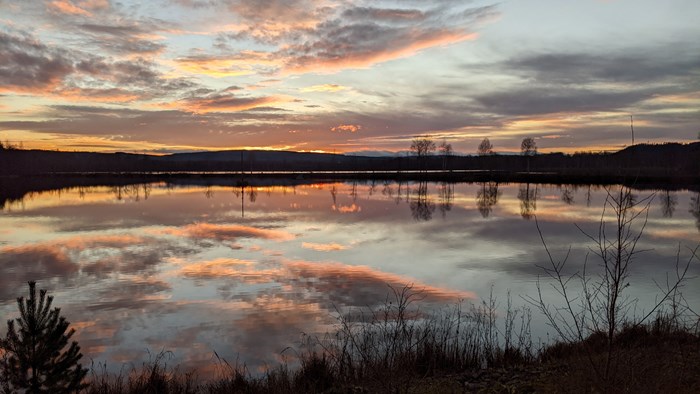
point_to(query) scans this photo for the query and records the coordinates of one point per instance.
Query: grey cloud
(352, 35)
(27, 64)
(580, 68)
(384, 14)
(21, 264)
(171, 126)
(541, 100)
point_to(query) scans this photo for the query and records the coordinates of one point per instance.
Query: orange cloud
(328, 87)
(232, 103)
(317, 64)
(224, 232)
(111, 95)
(352, 128)
(243, 270)
(67, 7)
(331, 274)
(329, 247)
(242, 63)
(223, 103)
(347, 208)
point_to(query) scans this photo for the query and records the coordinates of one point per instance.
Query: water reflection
(528, 195)
(242, 270)
(567, 194)
(487, 197)
(446, 193)
(422, 205)
(668, 203)
(695, 209)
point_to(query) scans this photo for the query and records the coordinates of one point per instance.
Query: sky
(343, 76)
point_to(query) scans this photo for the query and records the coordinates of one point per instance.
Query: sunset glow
(346, 76)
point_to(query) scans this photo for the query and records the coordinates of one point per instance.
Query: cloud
(328, 87)
(337, 46)
(560, 82)
(352, 128)
(227, 232)
(327, 283)
(384, 14)
(27, 65)
(130, 38)
(245, 62)
(51, 259)
(227, 103)
(312, 36)
(67, 7)
(243, 270)
(656, 65)
(327, 247)
(542, 100)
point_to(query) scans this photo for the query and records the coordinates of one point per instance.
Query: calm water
(195, 269)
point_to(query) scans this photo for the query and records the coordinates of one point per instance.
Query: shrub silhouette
(34, 359)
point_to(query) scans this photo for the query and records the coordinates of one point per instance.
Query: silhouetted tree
(35, 359)
(485, 148)
(446, 152)
(528, 147)
(422, 147)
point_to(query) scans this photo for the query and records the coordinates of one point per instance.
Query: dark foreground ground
(650, 359)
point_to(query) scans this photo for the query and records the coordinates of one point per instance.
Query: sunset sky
(166, 76)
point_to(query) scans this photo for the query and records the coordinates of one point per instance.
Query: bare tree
(445, 148)
(446, 152)
(485, 148)
(601, 305)
(528, 147)
(422, 146)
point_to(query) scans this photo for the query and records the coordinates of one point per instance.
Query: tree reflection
(388, 190)
(487, 197)
(447, 194)
(668, 203)
(334, 195)
(528, 200)
(422, 206)
(695, 209)
(353, 191)
(567, 194)
(134, 192)
(208, 193)
(252, 194)
(588, 196)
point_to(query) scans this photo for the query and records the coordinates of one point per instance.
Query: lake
(247, 271)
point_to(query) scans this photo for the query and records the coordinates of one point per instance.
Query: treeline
(671, 161)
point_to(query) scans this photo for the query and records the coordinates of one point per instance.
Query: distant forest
(671, 162)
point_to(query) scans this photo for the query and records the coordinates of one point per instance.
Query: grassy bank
(398, 350)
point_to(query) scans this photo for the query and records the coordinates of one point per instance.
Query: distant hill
(661, 161)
